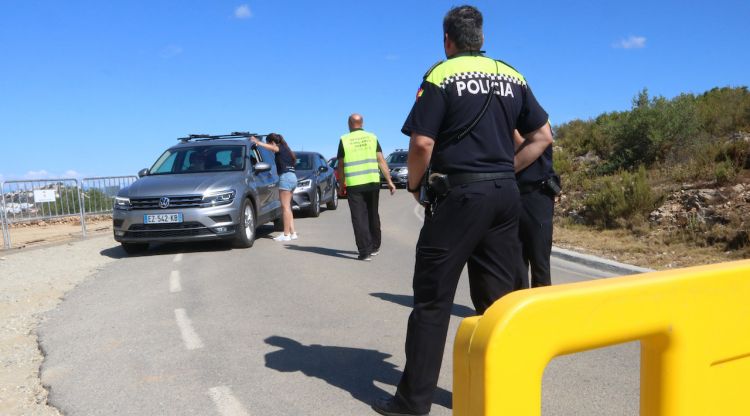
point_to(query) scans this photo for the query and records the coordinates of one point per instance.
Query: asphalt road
(278, 329)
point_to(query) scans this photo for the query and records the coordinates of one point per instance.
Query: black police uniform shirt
(451, 97)
(538, 171)
(359, 188)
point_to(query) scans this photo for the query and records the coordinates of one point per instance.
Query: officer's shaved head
(356, 121)
(463, 25)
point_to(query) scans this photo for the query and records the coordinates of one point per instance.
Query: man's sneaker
(293, 236)
(364, 257)
(375, 252)
(283, 237)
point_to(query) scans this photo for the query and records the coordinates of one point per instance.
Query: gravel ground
(33, 282)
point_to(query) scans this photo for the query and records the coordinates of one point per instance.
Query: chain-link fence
(28, 201)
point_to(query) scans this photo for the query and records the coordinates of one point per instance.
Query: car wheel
(245, 236)
(134, 248)
(278, 224)
(314, 210)
(334, 202)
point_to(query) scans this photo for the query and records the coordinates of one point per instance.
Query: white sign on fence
(44, 195)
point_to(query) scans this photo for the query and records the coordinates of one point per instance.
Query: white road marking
(178, 258)
(189, 336)
(226, 403)
(174, 282)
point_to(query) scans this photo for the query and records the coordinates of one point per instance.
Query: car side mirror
(323, 169)
(143, 172)
(262, 167)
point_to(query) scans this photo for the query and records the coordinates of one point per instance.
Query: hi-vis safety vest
(360, 158)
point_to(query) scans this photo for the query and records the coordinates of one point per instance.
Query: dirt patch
(33, 282)
(655, 251)
(38, 233)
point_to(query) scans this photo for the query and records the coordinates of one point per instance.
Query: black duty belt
(456, 179)
(526, 188)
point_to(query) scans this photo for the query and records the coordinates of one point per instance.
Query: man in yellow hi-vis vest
(360, 157)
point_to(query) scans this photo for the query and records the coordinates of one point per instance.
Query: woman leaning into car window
(285, 160)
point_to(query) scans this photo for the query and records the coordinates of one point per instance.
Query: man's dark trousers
(535, 231)
(475, 223)
(365, 220)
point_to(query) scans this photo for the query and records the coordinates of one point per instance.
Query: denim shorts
(287, 181)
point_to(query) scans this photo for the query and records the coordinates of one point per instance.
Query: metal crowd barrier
(26, 201)
(693, 325)
(98, 194)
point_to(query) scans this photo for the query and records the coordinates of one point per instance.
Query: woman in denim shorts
(285, 161)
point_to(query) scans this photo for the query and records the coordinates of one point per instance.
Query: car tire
(334, 202)
(245, 236)
(134, 248)
(314, 210)
(278, 224)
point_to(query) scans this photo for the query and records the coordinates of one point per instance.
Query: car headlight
(303, 185)
(402, 171)
(122, 203)
(218, 198)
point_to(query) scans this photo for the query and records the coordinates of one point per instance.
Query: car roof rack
(401, 150)
(232, 135)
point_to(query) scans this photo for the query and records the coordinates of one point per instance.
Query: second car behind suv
(397, 165)
(316, 184)
(204, 188)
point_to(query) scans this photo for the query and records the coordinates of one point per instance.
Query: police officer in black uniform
(462, 127)
(538, 184)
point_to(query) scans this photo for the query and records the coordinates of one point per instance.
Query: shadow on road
(460, 311)
(161, 249)
(352, 255)
(351, 369)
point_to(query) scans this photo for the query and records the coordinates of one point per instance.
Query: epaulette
(507, 64)
(429, 71)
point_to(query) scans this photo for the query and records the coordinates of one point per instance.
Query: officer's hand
(392, 188)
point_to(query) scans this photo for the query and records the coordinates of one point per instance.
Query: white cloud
(170, 51)
(243, 12)
(632, 42)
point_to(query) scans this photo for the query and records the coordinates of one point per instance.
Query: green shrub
(724, 172)
(621, 199)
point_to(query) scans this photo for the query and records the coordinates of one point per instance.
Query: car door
(326, 178)
(266, 185)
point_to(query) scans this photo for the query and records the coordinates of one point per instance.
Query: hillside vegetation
(668, 172)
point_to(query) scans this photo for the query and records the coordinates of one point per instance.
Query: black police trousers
(363, 206)
(475, 223)
(535, 231)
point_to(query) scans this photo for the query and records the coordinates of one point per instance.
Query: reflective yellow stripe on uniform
(360, 167)
(467, 66)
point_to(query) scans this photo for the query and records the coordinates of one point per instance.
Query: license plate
(162, 218)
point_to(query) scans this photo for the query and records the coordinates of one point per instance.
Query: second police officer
(538, 184)
(461, 126)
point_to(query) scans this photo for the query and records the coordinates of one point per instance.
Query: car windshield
(304, 162)
(197, 159)
(396, 158)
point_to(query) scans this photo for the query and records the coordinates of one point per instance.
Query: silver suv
(206, 187)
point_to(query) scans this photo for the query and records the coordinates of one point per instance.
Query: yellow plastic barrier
(693, 324)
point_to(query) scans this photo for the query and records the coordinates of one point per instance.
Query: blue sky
(100, 88)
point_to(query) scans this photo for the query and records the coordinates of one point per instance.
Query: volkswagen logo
(163, 202)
